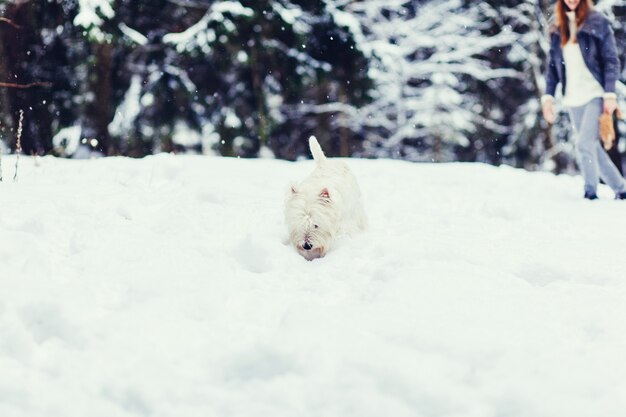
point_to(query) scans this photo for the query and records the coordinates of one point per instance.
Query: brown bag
(607, 131)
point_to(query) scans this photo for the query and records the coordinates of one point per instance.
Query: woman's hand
(548, 111)
(610, 104)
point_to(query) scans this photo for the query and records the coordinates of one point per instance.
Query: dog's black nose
(307, 246)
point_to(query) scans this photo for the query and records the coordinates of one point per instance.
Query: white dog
(325, 205)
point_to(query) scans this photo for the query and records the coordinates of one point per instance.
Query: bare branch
(29, 85)
(10, 22)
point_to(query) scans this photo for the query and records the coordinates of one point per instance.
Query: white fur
(325, 205)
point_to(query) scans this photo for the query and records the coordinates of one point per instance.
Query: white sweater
(581, 87)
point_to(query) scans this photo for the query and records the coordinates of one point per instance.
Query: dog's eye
(316, 226)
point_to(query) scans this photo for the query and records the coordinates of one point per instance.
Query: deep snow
(161, 287)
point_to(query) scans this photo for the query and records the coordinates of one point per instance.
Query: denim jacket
(597, 45)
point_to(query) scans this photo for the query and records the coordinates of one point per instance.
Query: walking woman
(583, 59)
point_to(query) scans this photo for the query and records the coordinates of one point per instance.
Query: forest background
(421, 80)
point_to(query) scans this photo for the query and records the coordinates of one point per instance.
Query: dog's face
(312, 221)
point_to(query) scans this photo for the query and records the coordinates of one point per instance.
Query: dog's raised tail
(316, 150)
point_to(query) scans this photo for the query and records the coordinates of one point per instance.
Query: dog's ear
(324, 194)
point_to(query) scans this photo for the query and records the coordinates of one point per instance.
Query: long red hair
(583, 9)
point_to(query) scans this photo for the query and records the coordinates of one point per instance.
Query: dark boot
(592, 196)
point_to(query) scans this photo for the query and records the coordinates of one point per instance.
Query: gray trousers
(593, 161)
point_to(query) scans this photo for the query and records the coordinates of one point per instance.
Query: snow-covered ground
(161, 287)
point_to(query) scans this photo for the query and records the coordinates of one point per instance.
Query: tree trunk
(344, 132)
(257, 86)
(101, 107)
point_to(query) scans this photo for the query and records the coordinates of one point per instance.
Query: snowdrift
(162, 287)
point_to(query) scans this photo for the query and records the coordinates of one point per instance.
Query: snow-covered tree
(529, 141)
(234, 76)
(433, 59)
(273, 72)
